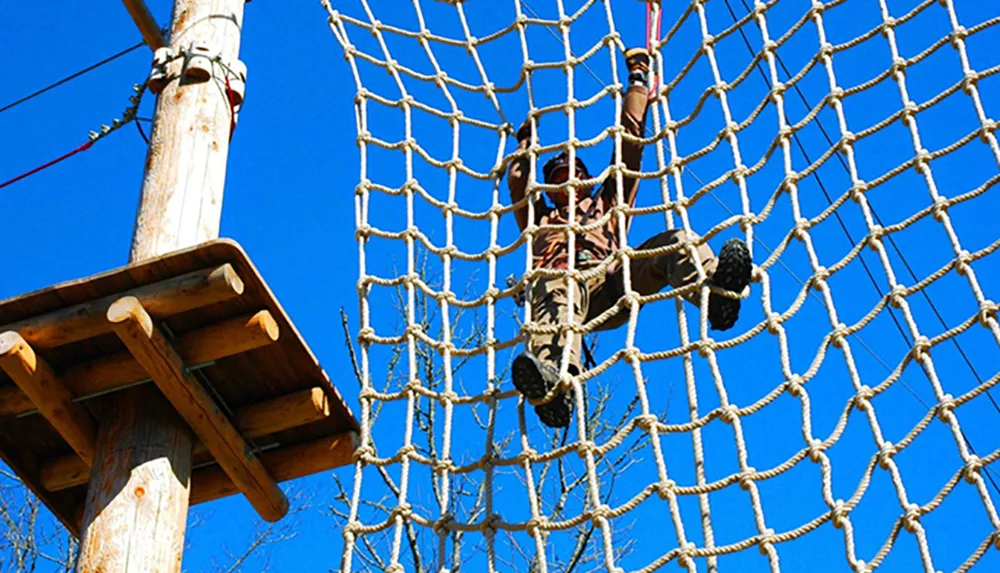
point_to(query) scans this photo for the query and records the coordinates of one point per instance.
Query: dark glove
(637, 60)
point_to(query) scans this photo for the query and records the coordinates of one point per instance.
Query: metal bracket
(237, 74)
(198, 62)
(158, 76)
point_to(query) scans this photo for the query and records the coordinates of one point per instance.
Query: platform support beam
(193, 290)
(41, 385)
(137, 500)
(289, 463)
(149, 345)
(253, 421)
(198, 347)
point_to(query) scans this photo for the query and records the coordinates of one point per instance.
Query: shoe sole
(732, 274)
(528, 378)
(530, 382)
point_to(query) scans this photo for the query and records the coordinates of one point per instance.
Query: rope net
(824, 426)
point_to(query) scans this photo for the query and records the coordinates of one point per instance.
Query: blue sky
(290, 202)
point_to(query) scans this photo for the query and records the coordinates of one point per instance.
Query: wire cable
(70, 77)
(128, 116)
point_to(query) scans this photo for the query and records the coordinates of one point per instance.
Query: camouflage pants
(549, 296)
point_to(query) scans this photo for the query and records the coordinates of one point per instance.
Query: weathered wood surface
(215, 341)
(182, 189)
(137, 502)
(254, 421)
(48, 393)
(151, 349)
(283, 412)
(285, 464)
(87, 320)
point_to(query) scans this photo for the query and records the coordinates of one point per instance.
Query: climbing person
(536, 370)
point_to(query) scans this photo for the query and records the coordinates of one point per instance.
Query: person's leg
(536, 371)
(649, 275)
(676, 269)
(549, 303)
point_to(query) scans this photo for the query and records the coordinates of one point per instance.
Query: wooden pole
(181, 203)
(137, 500)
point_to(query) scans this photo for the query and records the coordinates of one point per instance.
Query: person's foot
(534, 380)
(637, 60)
(733, 275)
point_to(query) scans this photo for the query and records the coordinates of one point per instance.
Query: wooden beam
(284, 412)
(34, 377)
(229, 337)
(261, 419)
(86, 320)
(293, 462)
(150, 347)
(147, 25)
(63, 473)
(212, 342)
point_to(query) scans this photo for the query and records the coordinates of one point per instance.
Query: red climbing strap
(232, 108)
(83, 147)
(649, 45)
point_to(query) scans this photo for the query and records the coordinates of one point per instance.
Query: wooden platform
(204, 326)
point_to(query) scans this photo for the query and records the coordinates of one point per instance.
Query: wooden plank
(162, 299)
(261, 419)
(213, 342)
(293, 462)
(34, 377)
(136, 329)
(147, 25)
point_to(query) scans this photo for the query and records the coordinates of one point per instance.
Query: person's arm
(633, 119)
(517, 175)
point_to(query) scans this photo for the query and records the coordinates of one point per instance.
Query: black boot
(534, 380)
(732, 274)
